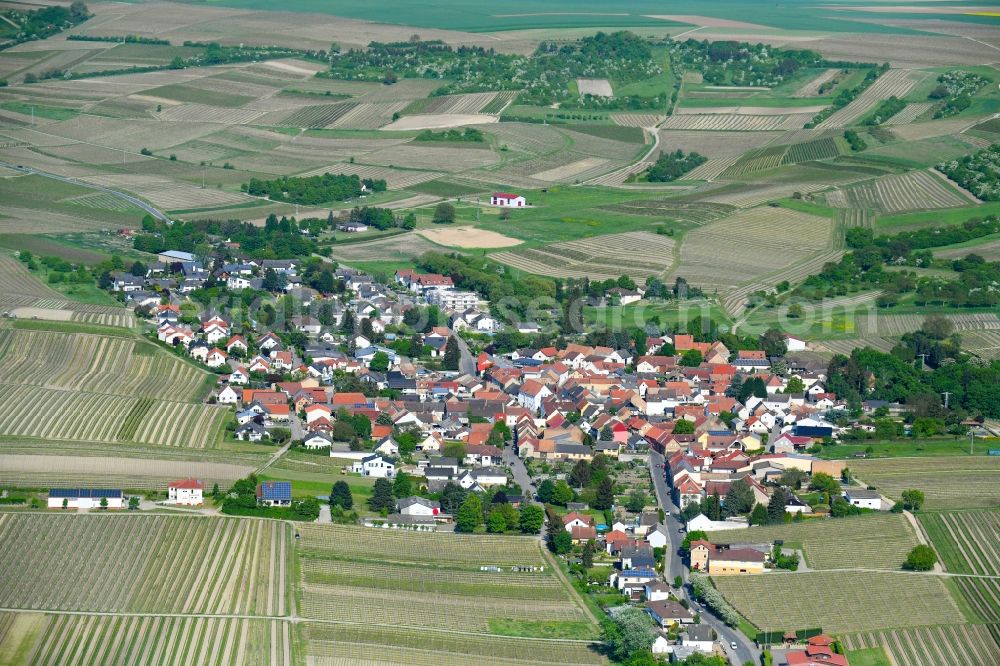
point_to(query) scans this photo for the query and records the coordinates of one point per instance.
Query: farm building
(507, 200)
(864, 498)
(274, 493)
(189, 492)
(84, 498)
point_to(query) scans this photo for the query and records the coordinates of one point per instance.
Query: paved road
(135, 201)
(520, 471)
(746, 650)
(467, 364)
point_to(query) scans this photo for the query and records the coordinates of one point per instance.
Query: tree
(306, 509)
(776, 506)
(606, 434)
(562, 494)
(754, 386)
(133, 503)
(444, 213)
(215, 491)
(691, 358)
(454, 450)
(580, 475)
(774, 342)
(545, 491)
(470, 514)
(824, 483)
(65, 502)
(104, 503)
(795, 385)
(587, 558)
(605, 498)
(938, 327)
(683, 427)
(630, 632)
(912, 500)
(636, 501)
(495, 524)
(381, 495)
(452, 355)
(792, 477)
(402, 485)
(712, 507)
(531, 518)
(921, 558)
(380, 361)
(452, 497)
(759, 515)
(561, 542)
(739, 498)
(340, 496)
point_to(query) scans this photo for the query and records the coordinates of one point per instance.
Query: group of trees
(979, 173)
(956, 88)
(671, 166)
(381, 218)
(44, 22)
(741, 63)
(313, 190)
(542, 78)
(593, 479)
(241, 500)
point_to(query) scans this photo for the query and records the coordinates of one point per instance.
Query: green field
(867, 657)
(947, 482)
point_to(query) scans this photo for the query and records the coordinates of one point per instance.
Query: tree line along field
(151, 564)
(947, 483)
(841, 601)
(885, 540)
(408, 589)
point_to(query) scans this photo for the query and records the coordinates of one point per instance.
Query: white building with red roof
(189, 492)
(507, 200)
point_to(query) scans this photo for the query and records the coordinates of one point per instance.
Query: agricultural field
(440, 579)
(967, 543)
(984, 344)
(894, 83)
(835, 543)
(916, 190)
(638, 254)
(831, 600)
(947, 483)
(950, 645)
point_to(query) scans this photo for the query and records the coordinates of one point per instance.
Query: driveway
(746, 650)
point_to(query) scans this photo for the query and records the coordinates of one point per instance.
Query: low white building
(85, 498)
(507, 200)
(189, 492)
(375, 466)
(864, 498)
(702, 522)
(418, 506)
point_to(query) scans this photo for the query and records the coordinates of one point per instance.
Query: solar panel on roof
(92, 493)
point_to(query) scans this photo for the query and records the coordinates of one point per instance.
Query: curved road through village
(745, 651)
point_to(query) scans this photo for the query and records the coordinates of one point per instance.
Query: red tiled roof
(188, 484)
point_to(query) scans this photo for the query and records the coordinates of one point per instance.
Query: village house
(507, 200)
(375, 466)
(187, 492)
(274, 493)
(666, 613)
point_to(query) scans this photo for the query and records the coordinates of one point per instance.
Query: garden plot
(898, 324)
(202, 113)
(915, 190)
(637, 119)
(947, 483)
(57, 466)
(227, 565)
(638, 254)
(831, 600)
(909, 113)
(894, 83)
(595, 87)
(732, 122)
(831, 544)
(953, 645)
(751, 244)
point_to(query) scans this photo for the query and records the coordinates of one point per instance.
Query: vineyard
(747, 245)
(102, 639)
(96, 417)
(894, 83)
(361, 579)
(832, 544)
(955, 645)
(909, 114)
(735, 122)
(834, 600)
(969, 542)
(894, 325)
(695, 213)
(638, 254)
(778, 155)
(915, 190)
(984, 344)
(947, 483)
(161, 564)
(97, 364)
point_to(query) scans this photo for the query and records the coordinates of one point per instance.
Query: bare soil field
(439, 120)
(595, 87)
(467, 236)
(569, 171)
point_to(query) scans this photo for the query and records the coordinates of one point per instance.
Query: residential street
(519, 470)
(467, 365)
(747, 651)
